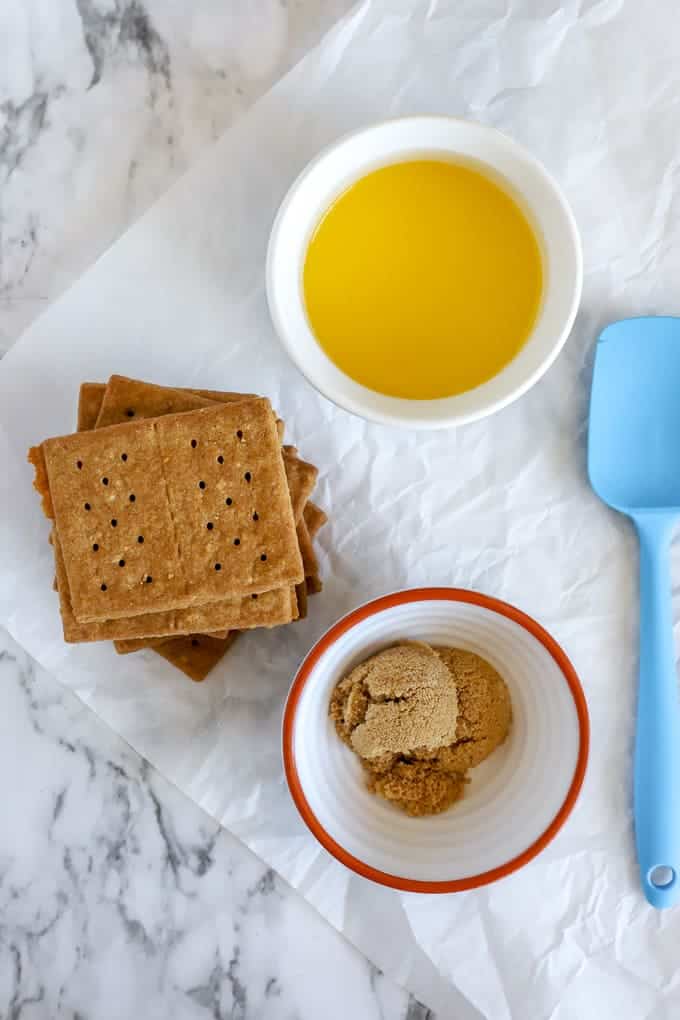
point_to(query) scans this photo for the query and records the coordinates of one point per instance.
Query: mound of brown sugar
(402, 698)
(418, 718)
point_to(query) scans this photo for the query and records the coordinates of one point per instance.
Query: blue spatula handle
(657, 744)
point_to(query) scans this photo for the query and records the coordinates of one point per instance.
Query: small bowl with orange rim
(514, 803)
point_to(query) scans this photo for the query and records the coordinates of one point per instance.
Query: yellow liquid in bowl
(423, 279)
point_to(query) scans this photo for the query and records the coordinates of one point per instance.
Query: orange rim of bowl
(389, 602)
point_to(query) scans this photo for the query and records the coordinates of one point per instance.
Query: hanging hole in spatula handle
(662, 876)
(662, 886)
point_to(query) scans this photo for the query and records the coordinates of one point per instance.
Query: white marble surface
(118, 897)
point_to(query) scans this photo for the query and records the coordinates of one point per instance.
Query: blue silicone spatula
(634, 466)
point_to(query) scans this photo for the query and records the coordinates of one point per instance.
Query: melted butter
(423, 279)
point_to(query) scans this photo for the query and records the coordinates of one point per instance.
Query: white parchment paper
(593, 88)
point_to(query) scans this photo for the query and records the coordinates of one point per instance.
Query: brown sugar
(419, 787)
(418, 728)
(398, 700)
(484, 709)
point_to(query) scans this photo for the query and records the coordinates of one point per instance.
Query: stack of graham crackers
(179, 520)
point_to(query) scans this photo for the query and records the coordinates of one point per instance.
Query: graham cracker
(219, 466)
(301, 597)
(312, 583)
(315, 518)
(122, 399)
(91, 398)
(89, 405)
(125, 647)
(196, 654)
(41, 482)
(127, 399)
(309, 560)
(301, 479)
(269, 609)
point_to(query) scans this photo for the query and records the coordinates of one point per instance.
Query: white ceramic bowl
(517, 799)
(393, 141)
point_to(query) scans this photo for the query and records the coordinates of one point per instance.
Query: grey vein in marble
(127, 25)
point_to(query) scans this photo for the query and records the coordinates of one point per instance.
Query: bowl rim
(356, 617)
(388, 413)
